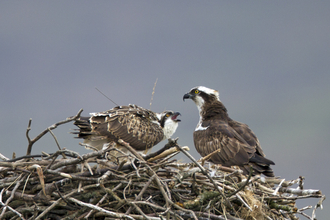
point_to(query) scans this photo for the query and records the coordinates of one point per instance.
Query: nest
(66, 185)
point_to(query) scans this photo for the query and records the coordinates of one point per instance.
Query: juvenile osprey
(235, 142)
(139, 127)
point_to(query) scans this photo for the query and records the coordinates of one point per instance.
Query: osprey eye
(196, 91)
(167, 115)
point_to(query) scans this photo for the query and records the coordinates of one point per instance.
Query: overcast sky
(270, 62)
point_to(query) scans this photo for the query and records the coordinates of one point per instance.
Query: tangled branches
(66, 185)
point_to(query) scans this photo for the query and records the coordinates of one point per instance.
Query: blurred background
(270, 62)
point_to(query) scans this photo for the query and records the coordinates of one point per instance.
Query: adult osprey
(139, 127)
(233, 143)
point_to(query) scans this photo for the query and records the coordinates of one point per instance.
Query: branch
(10, 208)
(31, 142)
(112, 214)
(244, 184)
(205, 173)
(300, 192)
(167, 146)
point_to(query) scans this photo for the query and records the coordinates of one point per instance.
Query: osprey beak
(175, 115)
(187, 96)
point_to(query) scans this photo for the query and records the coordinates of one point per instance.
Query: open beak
(175, 115)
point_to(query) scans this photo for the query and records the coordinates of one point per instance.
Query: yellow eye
(167, 115)
(196, 91)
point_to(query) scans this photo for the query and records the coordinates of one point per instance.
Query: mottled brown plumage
(216, 131)
(139, 127)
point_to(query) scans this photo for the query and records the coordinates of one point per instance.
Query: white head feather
(209, 91)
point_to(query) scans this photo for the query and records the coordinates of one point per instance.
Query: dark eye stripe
(162, 122)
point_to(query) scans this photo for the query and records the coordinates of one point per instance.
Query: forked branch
(31, 142)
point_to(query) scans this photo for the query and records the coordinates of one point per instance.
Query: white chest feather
(169, 128)
(199, 126)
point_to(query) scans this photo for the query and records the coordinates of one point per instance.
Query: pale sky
(270, 62)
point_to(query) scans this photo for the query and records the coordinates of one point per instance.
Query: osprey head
(169, 122)
(201, 94)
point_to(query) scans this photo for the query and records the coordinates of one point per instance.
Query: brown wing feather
(221, 136)
(131, 123)
(237, 143)
(247, 134)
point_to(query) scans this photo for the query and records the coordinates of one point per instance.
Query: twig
(58, 201)
(156, 177)
(23, 164)
(113, 194)
(167, 152)
(31, 142)
(10, 198)
(243, 185)
(128, 185)
(167, 146)
(139, 217)
(106, 97)
(304, 214)
(209, 156)
(40, 175)
(157, 190)
(205, 173)
(217, 217)
(58, 145)
(299, 192)
(141, 194)
(318, 205)
(2, 157)
(242, 200)
(10, 208)
(278, 187)
(66, 162)
(112, 214)
(153, 92)
(140, 211)
(98, 203)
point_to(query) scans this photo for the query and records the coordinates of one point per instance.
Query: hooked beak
(187, 96)
(175, 115)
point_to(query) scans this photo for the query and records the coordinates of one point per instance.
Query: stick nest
(66, 185)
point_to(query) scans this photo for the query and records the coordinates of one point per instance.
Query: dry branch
(31, 142)
(91, 186)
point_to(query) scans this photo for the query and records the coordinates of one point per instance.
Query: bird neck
(169, 128)
(214, 110)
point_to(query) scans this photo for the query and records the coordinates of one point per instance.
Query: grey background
(270, 62)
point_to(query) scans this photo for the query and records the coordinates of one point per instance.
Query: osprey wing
(219, 136)
(247, 134)
(135, 125)
(257, 160)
